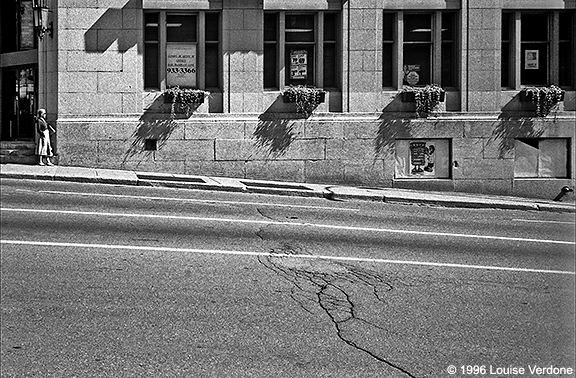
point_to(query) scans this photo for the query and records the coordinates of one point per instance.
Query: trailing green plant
(545, 98)
(427, 98)
(184, 98)
(305, 98)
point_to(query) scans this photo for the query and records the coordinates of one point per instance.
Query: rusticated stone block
(325, 171)
(275, 170)
(215, 168)
(323, 129)
(365, 173)
(213, 130)
(487, 168)
(238, 149)
(123, 131)
(77, 154)
(186, 150)
(498, 148)
(89, 104)
(351, 149)
(467, 148)
(361, 130)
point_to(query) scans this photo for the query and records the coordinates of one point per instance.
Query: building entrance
(18, 103)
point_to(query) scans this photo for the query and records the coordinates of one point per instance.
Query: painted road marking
(196, 200)
(293, 224)
(541, 221)
(268, 254)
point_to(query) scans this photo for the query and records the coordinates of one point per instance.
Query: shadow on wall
(392, 126)
(510, 126)
(154, 128)
(116, 24)
(394, 123)
(275, 130)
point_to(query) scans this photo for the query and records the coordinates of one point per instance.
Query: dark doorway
(18, 103)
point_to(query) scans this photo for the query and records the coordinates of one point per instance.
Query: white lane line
(541, 221)
(267, 254)
(195, 200)
(298, 224)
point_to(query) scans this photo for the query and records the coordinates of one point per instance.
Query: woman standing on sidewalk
(43, 145)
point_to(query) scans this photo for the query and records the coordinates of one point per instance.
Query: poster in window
(411, 73)
(181, 65)
(420, 158)
(531, 60)
(298, 64)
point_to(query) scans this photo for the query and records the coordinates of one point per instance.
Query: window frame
(281, 74)
(201, 44)
(398, 43)
(553, 47)
(538, 173)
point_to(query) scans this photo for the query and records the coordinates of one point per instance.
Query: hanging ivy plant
(427, 98)
(185, 98)
(305, 98)
(545, 98)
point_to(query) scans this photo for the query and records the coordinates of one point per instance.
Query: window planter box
(545, 99)
(409, 96)
(428, 99)
(290, 98)
(528, 96)
(305, 98)
(196, 97)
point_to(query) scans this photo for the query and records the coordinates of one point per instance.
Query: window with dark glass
(537, 48)
(418, 49)
(301, 49)
(448, 51)
(270, 50)
(17, 23)
(212, 50)
(566, 50)
(151, 50)
(174, 53)
(330, 52)
(506, 44)
(534, 49)
(388, 50)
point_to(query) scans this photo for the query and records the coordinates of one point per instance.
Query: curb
(334, 193)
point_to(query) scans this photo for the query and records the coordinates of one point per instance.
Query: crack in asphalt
(327, 284)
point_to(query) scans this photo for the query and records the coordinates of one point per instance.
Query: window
(536, 157)
(424, 43)
(422, 159)
(537, 49)
(300, 49)
(17, 24)
(181, 49)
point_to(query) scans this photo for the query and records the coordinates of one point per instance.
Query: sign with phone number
(181, 65)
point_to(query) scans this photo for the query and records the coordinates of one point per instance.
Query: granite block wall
(104, 116)
(329, 149)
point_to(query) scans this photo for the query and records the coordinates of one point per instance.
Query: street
(121, 281)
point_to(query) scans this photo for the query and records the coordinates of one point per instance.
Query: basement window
(150, 144)
(422, 159)
(539, 157)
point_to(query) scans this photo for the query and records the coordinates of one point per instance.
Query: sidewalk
(334, 192)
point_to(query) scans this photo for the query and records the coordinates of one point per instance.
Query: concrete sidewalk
(333, 192)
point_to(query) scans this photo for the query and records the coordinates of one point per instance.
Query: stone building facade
(103, 74)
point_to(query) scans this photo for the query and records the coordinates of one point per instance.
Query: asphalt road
(114, 281)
